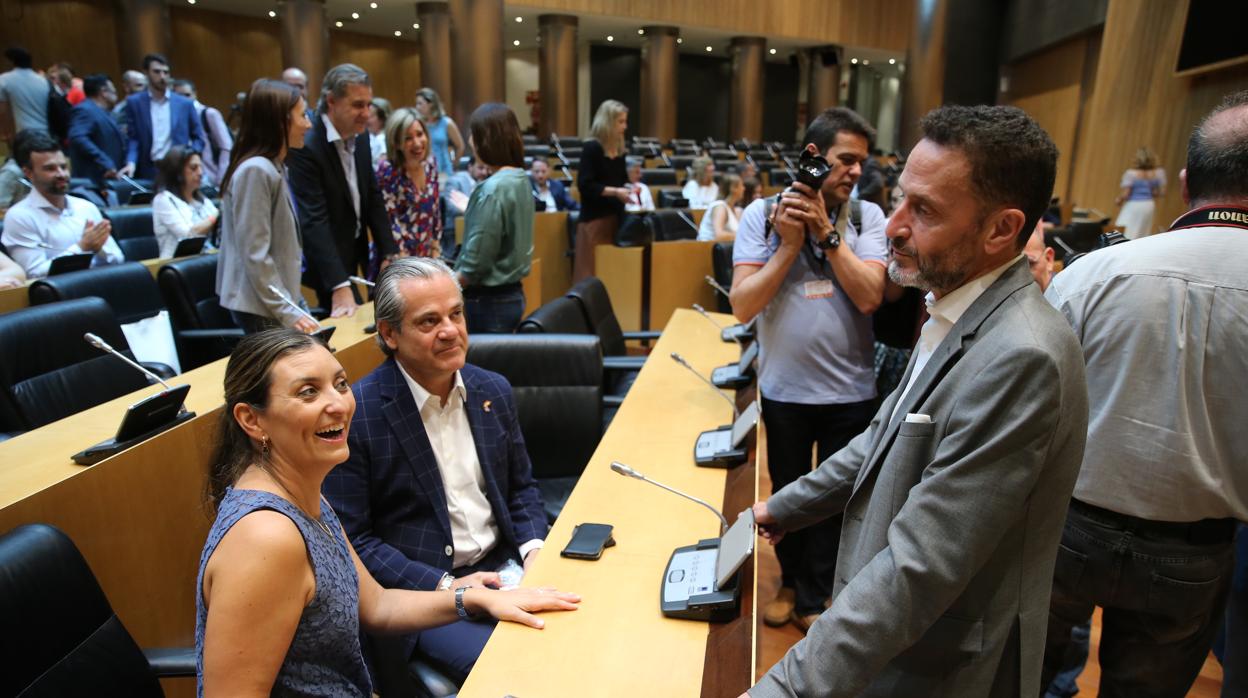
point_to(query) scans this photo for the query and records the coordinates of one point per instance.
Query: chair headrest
(540, 360)
(561, 315)
(129, 290)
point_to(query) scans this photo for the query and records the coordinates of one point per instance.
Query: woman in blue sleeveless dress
(282, 595)
(443, 133)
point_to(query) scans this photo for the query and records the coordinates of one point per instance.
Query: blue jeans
(493, 310)
(1066, 683)
(1161, 587)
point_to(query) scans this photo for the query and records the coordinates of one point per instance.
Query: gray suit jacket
(951, 528)
(260, 243)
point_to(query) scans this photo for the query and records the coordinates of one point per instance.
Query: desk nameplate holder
(724, 447)
(742, 333)
(716, 597)
(736, 376)
(143, 420)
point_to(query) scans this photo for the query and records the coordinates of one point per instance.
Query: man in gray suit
(955, 495)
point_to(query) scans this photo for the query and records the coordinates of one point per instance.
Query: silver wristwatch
(445, 583)
(459, 604)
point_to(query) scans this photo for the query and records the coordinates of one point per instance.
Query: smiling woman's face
(309, 411)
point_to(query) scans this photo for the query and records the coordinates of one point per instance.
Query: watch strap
(460, 609)
(446, 582)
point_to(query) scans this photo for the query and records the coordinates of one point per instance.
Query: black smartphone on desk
(588, 541)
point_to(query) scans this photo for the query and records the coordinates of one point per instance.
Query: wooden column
(557, 75)
(745, 119)
(923, 85)
(142, 28)
(435, 49)
(477, 56)
(823, 91)
(305, 42)
(658, 83)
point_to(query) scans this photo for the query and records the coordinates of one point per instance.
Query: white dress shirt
(474, 532)
(346, 154)
(34, 221)
(172, 219)
(700, 196)
(161, 132)
(943, 314)
(639, 198)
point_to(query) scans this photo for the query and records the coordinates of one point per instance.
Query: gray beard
(928, 277)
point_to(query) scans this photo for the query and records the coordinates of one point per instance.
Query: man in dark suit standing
(97, 146)
(438, 492)
(157, 120)
(336, 191)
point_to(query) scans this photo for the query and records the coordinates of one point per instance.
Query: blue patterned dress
(324, 658)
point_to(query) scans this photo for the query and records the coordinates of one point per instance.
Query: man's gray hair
(388, 299)
(340, 77)
(633, 161)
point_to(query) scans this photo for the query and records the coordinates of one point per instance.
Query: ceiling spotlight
(272, 13)
(680, 40)
(355, 15)
(854, 61)
(416, 26)
(372, 5)
(519, 20)
(610, 38)
(641, 32)
(773, 52)
(190, 2)
(866, 62)
(338, 24)
(398, 33)
(516, 42)
(709, 49)
(892, 61)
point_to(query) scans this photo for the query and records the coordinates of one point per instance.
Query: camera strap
(1219, 216)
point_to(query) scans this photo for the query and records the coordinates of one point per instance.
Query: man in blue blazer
(158, 119)
(97, 146)
(549, 192)
(438, 492)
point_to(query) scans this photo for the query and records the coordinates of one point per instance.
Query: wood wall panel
(884, 24)
(1049, 86)
(392, 63)
(223, 53)
(1137, 101)
(82, 32)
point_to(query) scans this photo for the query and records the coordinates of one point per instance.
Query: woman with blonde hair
(602, 178)
(408, 179)
(446, 142)
(1141, 186)
(719, 223)
(700, 190)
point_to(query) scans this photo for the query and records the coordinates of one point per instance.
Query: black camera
(1104, 240)
(812, 170)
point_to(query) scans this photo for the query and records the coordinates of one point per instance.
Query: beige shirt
(474, 532)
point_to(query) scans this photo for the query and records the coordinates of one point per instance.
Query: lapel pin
(486, 406)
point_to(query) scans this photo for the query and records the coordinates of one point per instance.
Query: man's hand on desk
(479, 579)
(343, 302)
(768, 528)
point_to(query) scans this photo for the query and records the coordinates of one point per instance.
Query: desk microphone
(715, 285)
(282, 296)
(103, 346)
(703, 313)
(681, 360)
(629, 472)
(362, 281)
(142, 189)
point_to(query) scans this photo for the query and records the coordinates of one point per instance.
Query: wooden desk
(138, 517)
(17, 298)
(618, 643)
(658, 279)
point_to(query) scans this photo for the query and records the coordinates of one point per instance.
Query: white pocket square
(915, 418)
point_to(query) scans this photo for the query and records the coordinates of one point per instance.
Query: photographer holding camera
(812, 264)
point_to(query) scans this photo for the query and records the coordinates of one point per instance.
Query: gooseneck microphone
(362, 281)
(703, 313)
(681, 360)
(103, 346)
(629, 472)
(142, 189)
(285, 299)
(715, 285)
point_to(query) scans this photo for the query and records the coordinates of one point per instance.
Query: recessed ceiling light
(272, 13)
(892, 61)
(515, 43)
(709, 49)
(641, 32)
(854, 61)
(355, 15)
(398, 33)
(519, 20)
(338, 24)
(610, 38)
(372, 5)
(416, 26)
(679, 40)
(773, 52)
(190, 2)
(866, 62)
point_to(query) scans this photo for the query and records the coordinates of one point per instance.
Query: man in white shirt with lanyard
(815, 281)
(49, 223)
(438, 492)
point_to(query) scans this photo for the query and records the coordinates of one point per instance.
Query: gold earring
(264, 445)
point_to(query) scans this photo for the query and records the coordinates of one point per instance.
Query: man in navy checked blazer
(438, 492)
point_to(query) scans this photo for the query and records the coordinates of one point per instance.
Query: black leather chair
(537, 150)
(721, 268)
(557, 382)
(203, 329)
(721, 153)
(129, 290)
(732, 165)
(779, 177)
(673, 224)
(125, 190)
(619, 366)
(140, 248)
(559, 316)
(61, 636)
(131, 222)
(659, 176)
(681, 162)
(48, 372)
(636, 230)
(672, 199)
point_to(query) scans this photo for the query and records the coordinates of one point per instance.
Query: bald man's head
(297, 79)
(1217, 155)
(1039, 256)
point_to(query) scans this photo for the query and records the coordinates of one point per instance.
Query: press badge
(822, 288)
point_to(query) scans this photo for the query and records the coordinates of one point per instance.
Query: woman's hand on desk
(519, 605)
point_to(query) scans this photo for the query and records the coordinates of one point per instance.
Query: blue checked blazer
(389, 492)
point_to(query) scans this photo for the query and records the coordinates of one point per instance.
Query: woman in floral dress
(408, 178)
